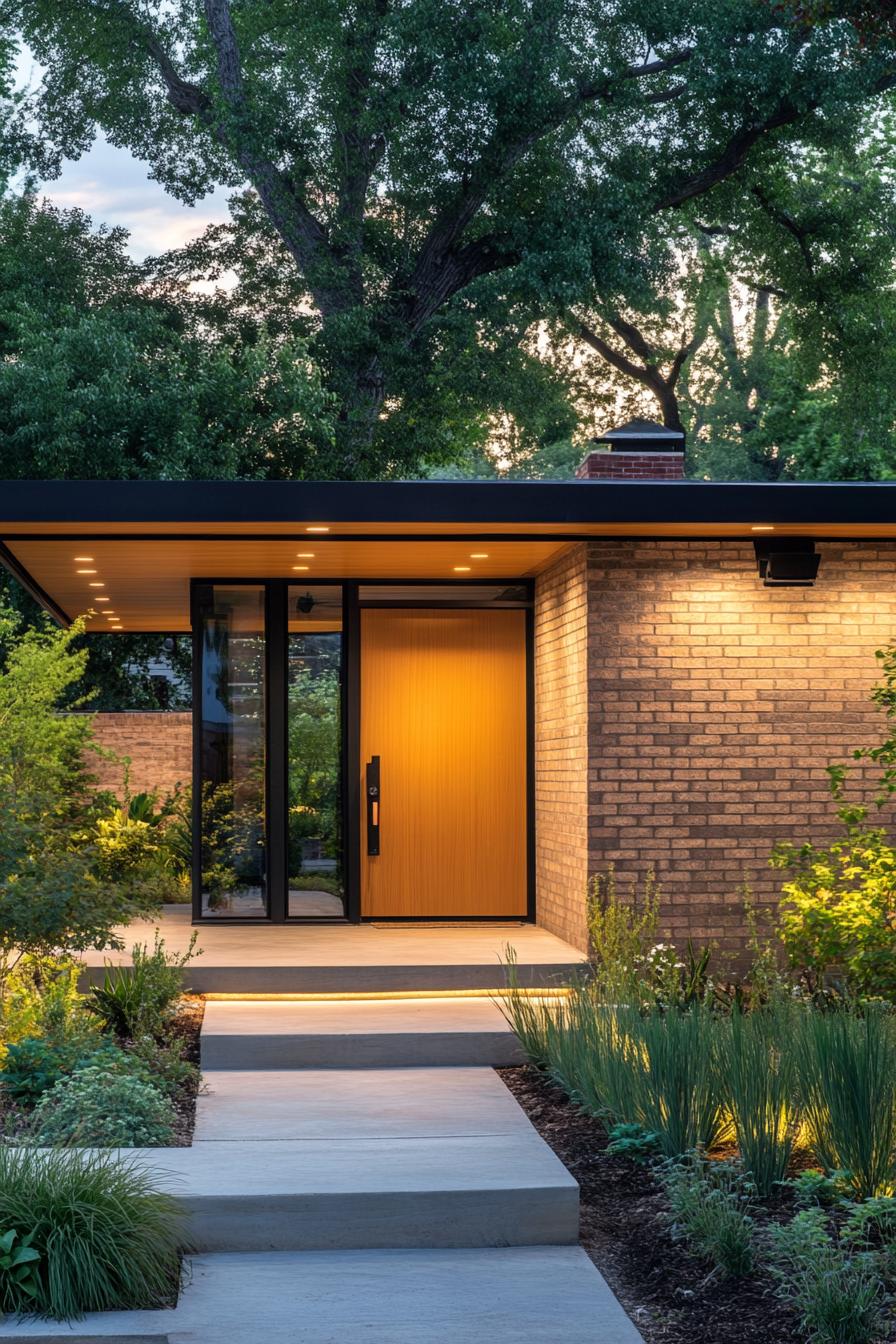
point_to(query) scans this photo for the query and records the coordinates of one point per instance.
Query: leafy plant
(871, 1226)
(36, 1064)
(838, 1292)
(838, 911)
(18, 1269)
(620, 932)
(640, 1145)
(139, 1000)
(97, 1108)
(709, 1205)
(846, 1064)
(106, 1236)
(677, 980)
(52, 898)
(813, 1187)
(758, 1071)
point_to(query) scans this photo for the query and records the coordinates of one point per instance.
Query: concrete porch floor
(348, 958)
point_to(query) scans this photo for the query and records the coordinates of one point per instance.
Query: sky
(113, 187)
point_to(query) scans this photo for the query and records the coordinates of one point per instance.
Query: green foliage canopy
(422, 168)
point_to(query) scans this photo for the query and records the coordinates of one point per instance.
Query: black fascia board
(692, 503)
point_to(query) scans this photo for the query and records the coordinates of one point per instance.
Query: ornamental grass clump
(107, 1238)
(677, 1083)
(529, 1017)
(758, 1070)
(846, 1077)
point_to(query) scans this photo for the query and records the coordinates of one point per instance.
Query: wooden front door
(443, 706)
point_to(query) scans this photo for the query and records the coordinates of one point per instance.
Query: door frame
(275, 700)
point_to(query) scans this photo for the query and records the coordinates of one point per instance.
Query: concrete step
(540, 1294)
(364, 1158)
(356, 1034)
(349, 958)
(324, 1194)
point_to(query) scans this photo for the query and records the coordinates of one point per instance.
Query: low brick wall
(714, 706)
(158, 744)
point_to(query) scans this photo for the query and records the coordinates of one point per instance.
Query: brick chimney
(640, 450)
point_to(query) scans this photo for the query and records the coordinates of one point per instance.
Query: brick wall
(561, 745)
(159, 745)
(622, 466)
(715, 705)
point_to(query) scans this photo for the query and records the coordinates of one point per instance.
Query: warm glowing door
(443, 707)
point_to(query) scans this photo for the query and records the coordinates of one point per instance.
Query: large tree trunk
(361, 391)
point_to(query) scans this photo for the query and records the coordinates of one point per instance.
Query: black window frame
(276, 635)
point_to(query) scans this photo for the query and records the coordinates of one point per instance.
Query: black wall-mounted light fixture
(787, 562)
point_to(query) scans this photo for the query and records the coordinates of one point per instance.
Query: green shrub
(139, 1000)
(838, 909)
(95, 1108)
(846, 1066)
(620, 932)
(107, 1238)
(758, 1071)
(51, 896)
(838, 1293)
(709, 1205)
(36, 1064)
(18, 1270)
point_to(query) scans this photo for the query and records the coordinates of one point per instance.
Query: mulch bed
(668, 1294)
(185, 1028)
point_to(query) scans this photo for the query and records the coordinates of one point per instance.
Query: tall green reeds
(846, 1064)
(758, 1068)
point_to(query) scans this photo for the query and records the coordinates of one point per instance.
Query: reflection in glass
(233, 870)
(314, 863)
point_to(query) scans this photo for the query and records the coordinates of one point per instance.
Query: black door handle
(373, 806)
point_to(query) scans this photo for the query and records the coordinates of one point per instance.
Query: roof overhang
(148, 539)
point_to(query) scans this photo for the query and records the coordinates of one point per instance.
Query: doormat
(447, 924)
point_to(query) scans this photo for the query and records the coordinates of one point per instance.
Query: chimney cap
(643, 436)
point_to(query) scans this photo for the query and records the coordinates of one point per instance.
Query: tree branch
(498, 157)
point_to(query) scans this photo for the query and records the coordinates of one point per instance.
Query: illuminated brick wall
(714, 705)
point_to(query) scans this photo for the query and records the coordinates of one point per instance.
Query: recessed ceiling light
(462, 569)
(85, 571)
(83, 559)
(305, 555)
(96, 585)
(102, 599)
(479, 555)
(317, 529)
(301, 566)
(762, 527)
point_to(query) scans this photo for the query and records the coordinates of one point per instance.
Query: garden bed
(186, 1028)
(670, 1295)
(183, 1032)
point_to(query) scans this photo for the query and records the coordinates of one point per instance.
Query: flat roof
(145, 540)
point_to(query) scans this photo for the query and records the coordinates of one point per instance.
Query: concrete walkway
(400, 1205)
(535, 1295)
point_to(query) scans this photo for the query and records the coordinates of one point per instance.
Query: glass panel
(314, 864)
(233, 869)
